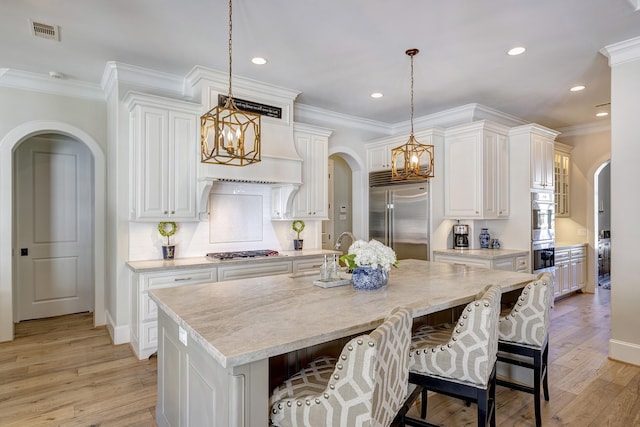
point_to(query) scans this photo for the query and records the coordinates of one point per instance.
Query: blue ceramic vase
(485, 238)
(369, 279)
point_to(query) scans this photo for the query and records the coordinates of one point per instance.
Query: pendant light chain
(412, 92)
(230, 51)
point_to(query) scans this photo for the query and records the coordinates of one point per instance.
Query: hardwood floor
(63, 372)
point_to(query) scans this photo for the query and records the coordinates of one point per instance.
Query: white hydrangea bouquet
(370, 254)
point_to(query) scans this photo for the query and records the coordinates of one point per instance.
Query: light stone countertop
(566, 245)
(242, 321)
(204, 262)
(483, 253)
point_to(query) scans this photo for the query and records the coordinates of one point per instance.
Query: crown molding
(587, 128)
(26, 80)
(141, 77)
(625, 51)
(307, 113)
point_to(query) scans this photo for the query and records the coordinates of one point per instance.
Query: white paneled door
(54, 219)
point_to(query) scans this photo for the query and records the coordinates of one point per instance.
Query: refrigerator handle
(390, 223)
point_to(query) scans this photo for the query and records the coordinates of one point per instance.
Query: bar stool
(459, 360)
(525, 332)
(366, 386)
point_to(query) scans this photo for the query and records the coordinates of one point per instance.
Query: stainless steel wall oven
(542, 217)
(543, 257)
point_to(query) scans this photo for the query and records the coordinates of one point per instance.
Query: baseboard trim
(119, 334)
(624, 352)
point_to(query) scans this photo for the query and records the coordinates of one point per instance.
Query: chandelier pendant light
(230, 136)
(412, 160)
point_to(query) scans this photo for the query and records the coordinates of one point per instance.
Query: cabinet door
(578, 270)
(502, 177)
(181, 162)
(379, 158)
(541, 163)
(561, 183)
(311, 199)
(150, 139)
(563, 277)
(463, 169)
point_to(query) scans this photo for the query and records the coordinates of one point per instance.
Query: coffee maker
(460, 236)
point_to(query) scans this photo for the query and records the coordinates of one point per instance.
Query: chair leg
(492, 401)
(537, 364)
(483, 405)
(545, 373)
(423, 404)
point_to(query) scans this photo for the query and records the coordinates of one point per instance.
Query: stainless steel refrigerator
(399, 218)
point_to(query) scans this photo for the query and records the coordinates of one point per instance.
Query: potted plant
(168, 229)
(370, 263)
(297, 226)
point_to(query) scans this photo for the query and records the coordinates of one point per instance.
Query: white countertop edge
(483, 253)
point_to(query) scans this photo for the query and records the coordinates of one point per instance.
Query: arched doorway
(8, 144)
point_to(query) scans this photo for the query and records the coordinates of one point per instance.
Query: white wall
(625, 202)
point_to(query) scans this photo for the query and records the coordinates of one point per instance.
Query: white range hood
(280, 164)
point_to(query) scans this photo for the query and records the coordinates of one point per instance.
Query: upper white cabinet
(312, 145)
(476, 171)
(561, 165)
(541, 162)
(534, 144)
(379, 157)
(164, 151)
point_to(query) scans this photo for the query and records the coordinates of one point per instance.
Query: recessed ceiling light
(602, 114)
(259, 61)
(376, 95)
(516, 51)
(577, 88)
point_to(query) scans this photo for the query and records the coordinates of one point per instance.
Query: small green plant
(167, 232)
(297, 226)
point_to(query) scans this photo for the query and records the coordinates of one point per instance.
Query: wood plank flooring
(63, 372)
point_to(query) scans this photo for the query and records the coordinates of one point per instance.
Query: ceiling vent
(45, 31)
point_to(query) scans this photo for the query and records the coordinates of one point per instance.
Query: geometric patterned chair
(524, 337)
(459, 360)
(365, 387)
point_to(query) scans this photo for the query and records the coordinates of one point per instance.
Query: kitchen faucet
(339, 239)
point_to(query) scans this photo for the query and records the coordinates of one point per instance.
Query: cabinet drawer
(577, 252)
(561, 255)
(309, 264)
(470, 262)
(177, 278)
(522, 264)
(245, 271)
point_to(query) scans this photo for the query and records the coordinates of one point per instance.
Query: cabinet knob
(173, 212)
(165, 212)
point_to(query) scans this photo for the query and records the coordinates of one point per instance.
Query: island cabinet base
(195, 390)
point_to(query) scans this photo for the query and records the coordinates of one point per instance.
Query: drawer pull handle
(181, 279)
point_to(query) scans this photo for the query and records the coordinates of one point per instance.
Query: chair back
(391, 372)
(467, 352)
(367, 387)
(529, 321)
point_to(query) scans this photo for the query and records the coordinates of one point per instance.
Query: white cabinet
(311, 200)
(541, 163)
(164, 137)
(282, 201)
(144, 312)
(571, 269)
(476, 171)
(514, 262)
(561, 172)
(379, 157)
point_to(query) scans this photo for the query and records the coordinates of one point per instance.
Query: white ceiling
(337, 52)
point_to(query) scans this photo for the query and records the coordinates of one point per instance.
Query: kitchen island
(215, 339)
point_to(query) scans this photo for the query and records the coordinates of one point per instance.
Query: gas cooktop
(243, 254)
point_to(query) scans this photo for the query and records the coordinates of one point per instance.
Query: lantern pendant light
(412, 161)
(230, 136)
